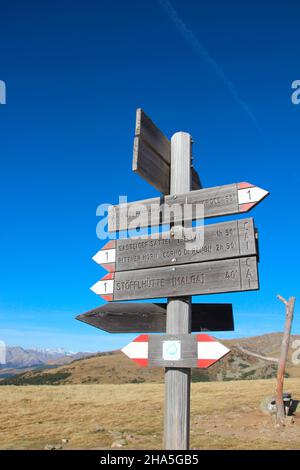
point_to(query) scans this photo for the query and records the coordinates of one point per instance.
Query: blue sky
(75, 73)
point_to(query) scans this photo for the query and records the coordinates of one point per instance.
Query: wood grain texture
(148, 131)
(179, 317)
(177, 409)
(233, 275)
(188, 346)
(280, 412)
(217, 201)
(152, 318)
(150, 165)
(152, 155)
(216, 241)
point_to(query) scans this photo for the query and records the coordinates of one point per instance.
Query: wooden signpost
(183, 350)
(152, 318)
(231, 199)
(206, 243)
(232, 275)
(220, 258)
(152, 155)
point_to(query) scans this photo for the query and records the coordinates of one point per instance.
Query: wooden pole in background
(280, 413)
(177, 381)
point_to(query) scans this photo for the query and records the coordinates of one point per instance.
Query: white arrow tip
(211, 350)
(262, 193)
(251, 195)
(136, 350)
(105, 256)
(104, 287)
(126, 350)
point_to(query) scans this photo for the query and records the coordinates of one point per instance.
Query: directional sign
(211, 242)
(152, 155)
(178, 351)
(219, 201)
(239, 274)
(151, 318)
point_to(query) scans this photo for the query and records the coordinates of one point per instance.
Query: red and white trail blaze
(209, 350)
(249, 195)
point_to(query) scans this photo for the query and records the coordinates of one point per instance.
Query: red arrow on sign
(175, 350)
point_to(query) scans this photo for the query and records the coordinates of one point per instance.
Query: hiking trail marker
(232, 275)
(206, 243)
(217, 202)
(221, 258)
(175, 350)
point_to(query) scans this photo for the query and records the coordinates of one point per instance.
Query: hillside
(115, 368)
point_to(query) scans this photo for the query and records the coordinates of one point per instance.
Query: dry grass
(225, 415)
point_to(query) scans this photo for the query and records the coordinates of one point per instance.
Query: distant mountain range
(20, 360)
(250, 358)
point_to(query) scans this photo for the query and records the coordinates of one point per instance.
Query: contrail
(194, 42)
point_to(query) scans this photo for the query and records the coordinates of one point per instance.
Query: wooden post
(280, 413)
(177, 381)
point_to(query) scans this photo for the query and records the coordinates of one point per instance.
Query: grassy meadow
(224, 415)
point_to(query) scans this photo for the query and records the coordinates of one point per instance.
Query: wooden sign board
(180, 351)
(152, 155)
(207, 243)
(151, 318)
(233, 275)
(219, 201)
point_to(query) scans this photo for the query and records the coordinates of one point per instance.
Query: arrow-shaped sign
(178, 351)
(207, 243)
(219, 201)
(128, 317)
(212, 277)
